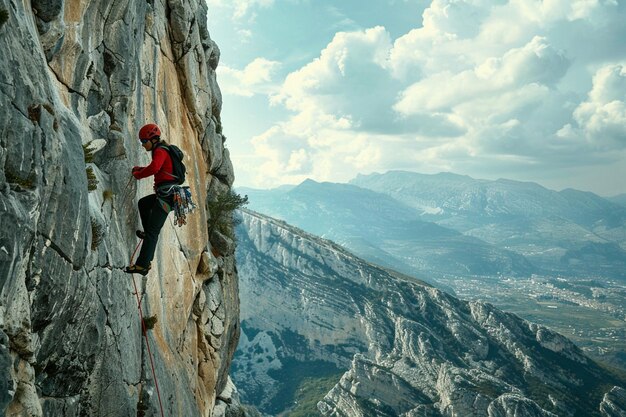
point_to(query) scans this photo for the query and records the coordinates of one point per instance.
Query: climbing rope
(135, 252)
(145, 333)
(126, 191)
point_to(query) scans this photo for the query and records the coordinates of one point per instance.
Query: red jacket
(160, 167)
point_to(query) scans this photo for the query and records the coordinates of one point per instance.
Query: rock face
(77, 80)
(407, 349)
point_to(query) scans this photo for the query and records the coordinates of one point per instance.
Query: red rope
(145, 334)
(133, 255)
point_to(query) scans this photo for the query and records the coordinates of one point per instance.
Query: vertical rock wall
(77, 80)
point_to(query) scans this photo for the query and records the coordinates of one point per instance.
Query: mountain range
(394, 345)
(446, 224)
(618, 199)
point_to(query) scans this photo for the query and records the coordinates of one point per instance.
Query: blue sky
(528, 90)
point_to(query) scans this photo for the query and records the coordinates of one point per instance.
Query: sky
(526, 90)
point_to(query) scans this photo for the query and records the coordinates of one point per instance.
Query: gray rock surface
(614, 403)
(77, 80)
(419, 351)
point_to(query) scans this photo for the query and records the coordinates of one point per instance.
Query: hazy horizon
(419, 173)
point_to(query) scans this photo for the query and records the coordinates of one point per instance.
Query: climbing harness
(145, 333)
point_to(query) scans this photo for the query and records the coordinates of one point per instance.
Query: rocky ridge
(567, 232)
(408, 349)
(77, 80)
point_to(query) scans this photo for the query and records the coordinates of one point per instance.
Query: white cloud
(546, 11)
(458, 18)
(365, 158)
(602, 118)
(291, 157)
(244, 35)
(482, 85)
(351, 84)
(283, 158)
(346, 69)
(255, 78)
(443, 42)
(240, 8)
(535, 63)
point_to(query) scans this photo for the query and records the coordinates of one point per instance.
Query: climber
(154, 208)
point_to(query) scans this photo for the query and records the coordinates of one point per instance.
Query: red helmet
(149, 131)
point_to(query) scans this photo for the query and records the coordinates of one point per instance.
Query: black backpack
(178, 167)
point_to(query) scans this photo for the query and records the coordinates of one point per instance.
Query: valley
(324, 331)
(360, 302)
(555, 258)
(591, 312)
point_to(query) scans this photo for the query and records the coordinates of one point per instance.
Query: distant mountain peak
(405, 173)
(309, 181)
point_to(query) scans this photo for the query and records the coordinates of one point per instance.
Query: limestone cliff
(77, 80)
(405, 348)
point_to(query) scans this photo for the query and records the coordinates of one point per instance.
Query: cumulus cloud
(481, 83)
(284, 154)
(255, 78)
(444, 40)
(457, 19)
(535, 63)
(601, 119)
(351, 81)
(289, 157)
(348, 68)
(546, 11)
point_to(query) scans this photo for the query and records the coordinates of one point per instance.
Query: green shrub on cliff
(88, 153)
(4, 16)
(92, 181)
(97, 233)
(221, 212)
(13, 178)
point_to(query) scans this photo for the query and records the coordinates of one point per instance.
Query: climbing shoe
(136, 269)
(140, 234)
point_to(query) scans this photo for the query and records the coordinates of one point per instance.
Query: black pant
(153, 217)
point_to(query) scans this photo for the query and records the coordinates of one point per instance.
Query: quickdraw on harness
(183, 205)
(181, 202)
